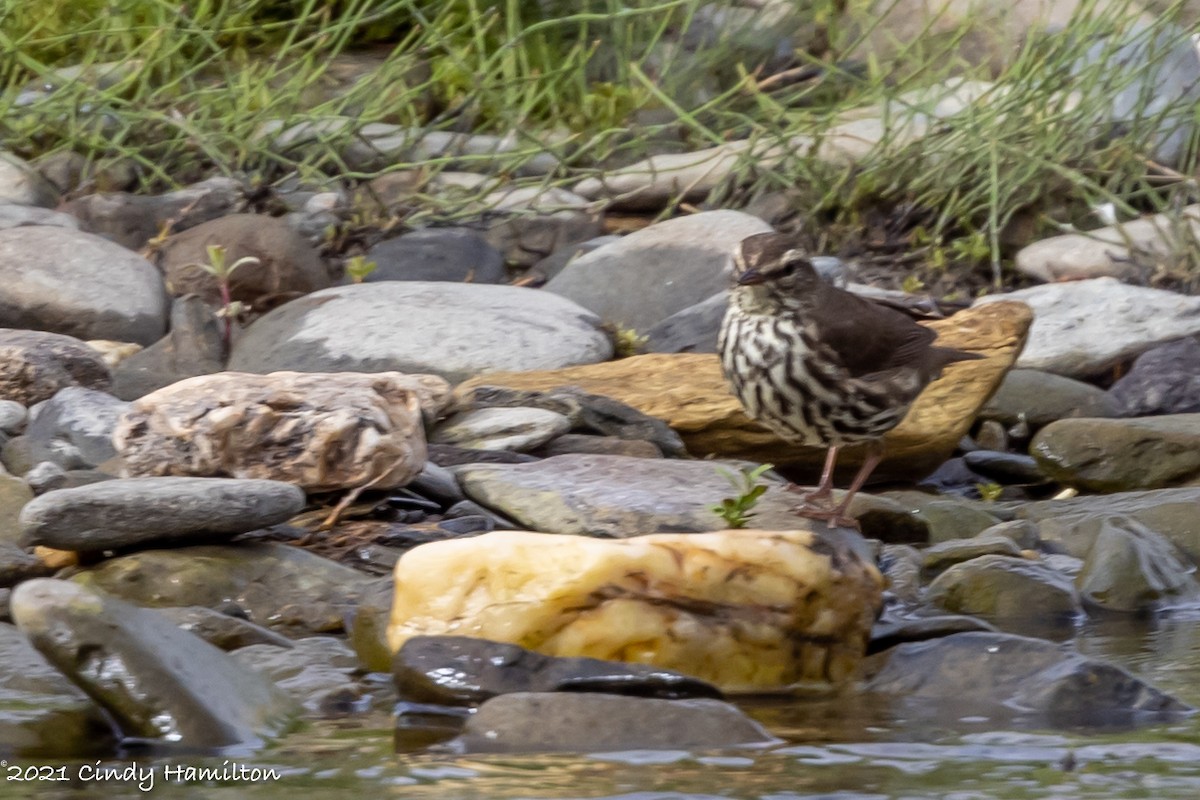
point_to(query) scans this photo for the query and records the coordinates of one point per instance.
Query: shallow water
(842, 751)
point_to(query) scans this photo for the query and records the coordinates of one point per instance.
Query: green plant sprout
(737, 511)
(358, 268)
(222, 272)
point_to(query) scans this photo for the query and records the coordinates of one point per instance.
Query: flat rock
(141, 512)
(194, 346)
(946, 554)
(34, 365)
(437, 254)
(519, 429)
(653, 273)
(554, 722)
(1117, 455)
(156, 681)
(455, 330)
(741, 609)
(1043, 397)
(222, 630)
(318, 431)
(586, 444)
(1006, 590)
(80, 285)
(1162, 380)
(1083, 328)
(74, 428)
(689, 392)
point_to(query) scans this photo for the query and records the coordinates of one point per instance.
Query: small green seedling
(989, 492)
(358, 268)
(627, 341)
(223, 273)
(737, 511)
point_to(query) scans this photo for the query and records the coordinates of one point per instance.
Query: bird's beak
(751, 277)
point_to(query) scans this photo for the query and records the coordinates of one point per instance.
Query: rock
(690, 330)
(450, 329)
(689, 393)
(80, 285)
(743, 610)
(157, 681)
(892, 629)
(1073, 525)
(367, 625)
(317, 671)
(284, 588)
(531, 222)
(1006, 468)
(447, 455)
(554, 263)
(901, 568)
(34, 365)
(141, 512)
(1043, 397)
(48, 477)
(113, 353)
(949, 519)
(946, 554)
(519, 429)
(194, 346)
(453, 670)
(584, 444)
(437, 254)
(1083, 328)
(15, 494)
(13, 416)
(16, 565)
(1007, 591)
(1022, 531)
(69, 172)
(1006, 678)
(1132, 568)
(22, 185)
(42, 714)
(1115, 455)
(287, 264)
(74, 428)
(1162, 380)
(17, 216)
(222, 630)
(319, 431)
(132, 220)
(657, 271)
(16, 456)
(554, 722)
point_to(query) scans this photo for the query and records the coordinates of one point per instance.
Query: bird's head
(770, 270)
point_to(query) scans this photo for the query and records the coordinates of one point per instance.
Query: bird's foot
(819, 496)
(832, 517)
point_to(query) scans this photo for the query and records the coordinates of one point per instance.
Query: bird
(819, 365)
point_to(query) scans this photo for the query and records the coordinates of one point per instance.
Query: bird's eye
(789, 266)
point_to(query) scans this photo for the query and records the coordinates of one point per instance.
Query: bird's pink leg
(824, 489)
(837, 517)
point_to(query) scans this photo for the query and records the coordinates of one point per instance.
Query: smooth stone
(1131, 568)
(80, 285)
(43, 715)
(18, 216)
(1083, 328)
(281, 587)
(1007, 468)
(194, 346)
(556, 722)
(1022, 531)
(74, 428)
(320, 672)
(437, 254)
(1007, 678)
(949, 519)
(455, 330)
(946, 554)
(141, 512)
(448, 455)
(222, 630)
(557, 261)
(17, 565)
(13, 416)
(901, 568)
(690, 330)
(528, 223)
(892, 630)
(368, 622)
(1117, 455)
(1042, 398)
(519, 429)
(35, 365)
(1162, 380)
(48, 477)
(15, 494)
(586, 444)
(657, 271)
(437, 483)
(158, 682)
(16, 455)
(453, 670)
(21, 184)
(745, 610)
(1008, 591)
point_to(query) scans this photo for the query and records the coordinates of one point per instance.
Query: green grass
(600, 83)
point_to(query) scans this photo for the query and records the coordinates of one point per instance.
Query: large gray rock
(148, 511)
(1118, 455)
(1163, 380)
(692, 330)
(74, 428)
(1131, 567)
(450, 329)
(657, 271)
(34, 365)
(156, 681)
(1082, 328)
(81, 285)
(437, 254)
(16, 216)
(194, 346)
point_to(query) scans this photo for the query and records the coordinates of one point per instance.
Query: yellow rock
(747, 610)
(690, 394)
(56, 559)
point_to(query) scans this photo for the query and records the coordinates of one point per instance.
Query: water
(835, 751)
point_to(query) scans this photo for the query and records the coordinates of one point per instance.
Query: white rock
(517, 429)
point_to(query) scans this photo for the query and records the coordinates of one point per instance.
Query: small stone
(530, 223)
(35, 365)
(1132, 568)
(319, 672)
(946, 554)
(21, 184)
(1042, 398)
(598, 445)
(991, 436)
(437, 254)
(519, 429)
(1007, 468)
(194, 346)
(1007, 590)
(1116, 455)
(222, 630)
(74, 428)
(1022, 531)
(13, 416)
(1162, 380)
(557, 261)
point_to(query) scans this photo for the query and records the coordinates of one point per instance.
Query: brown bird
(819, 365)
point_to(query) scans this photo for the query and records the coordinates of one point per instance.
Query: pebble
(519, 429)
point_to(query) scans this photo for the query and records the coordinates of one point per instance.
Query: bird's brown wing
(867, 337)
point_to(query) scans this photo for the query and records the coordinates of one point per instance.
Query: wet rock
(1130, 567)
(42, 714)
(742, 609)
(659, 270)
(1013, 678)
(17, 565)
(691, 330)
(141, 512)
(1162, 380)
(317, 671)
(689, 393)
(437, 483)
(284, 588)
(132, 220)
(1082, 328)
(17, 216)
(157, 681)
(520, 429)
(222, 630)
(1022, 531)
(892, 629)
(531, 222)
(15, 494)
(74, 428)
(901, 567)
(450, 329)
(946, 554)
(22, 185)
(1117, 455)
(1007, 468)
(583, 444)
(532, 722)
(949, 519)
(462, 670)
(194, 346)
(1006, 590)
(368, 624)
(437, 254)
(1072, 525)
(80, 285)
(318, 431)
(35, 365)
(1043, 397)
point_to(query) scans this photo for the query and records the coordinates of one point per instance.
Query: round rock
(517, 429)
(437, 254)
(34, 365)
(140, 511)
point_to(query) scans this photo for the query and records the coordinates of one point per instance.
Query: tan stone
(321, 431)
(689, 392)
(112, 352)
(747, 610)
